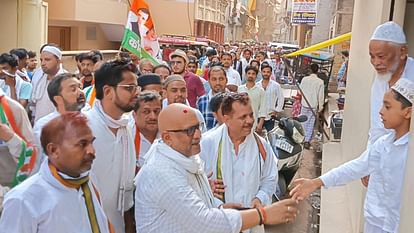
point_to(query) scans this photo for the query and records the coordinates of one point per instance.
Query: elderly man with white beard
(388, 51)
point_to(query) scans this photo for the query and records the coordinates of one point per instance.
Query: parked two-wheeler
(286, 139)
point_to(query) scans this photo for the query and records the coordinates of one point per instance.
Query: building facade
(342, 208)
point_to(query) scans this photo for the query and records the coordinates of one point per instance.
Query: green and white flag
(139, 37)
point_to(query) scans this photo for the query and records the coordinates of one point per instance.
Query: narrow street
(309, 168)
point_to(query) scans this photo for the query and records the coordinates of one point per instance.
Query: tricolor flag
(139, 36)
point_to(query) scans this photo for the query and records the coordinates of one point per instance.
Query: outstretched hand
(304, 187)
(284, 211)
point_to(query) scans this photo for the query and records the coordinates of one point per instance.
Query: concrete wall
(171, 16)
(409, 27)
(79, 39)
(8, 14)
(24, 24)
(407, 210)
(320, 32)
(98, 11)
(356, 121)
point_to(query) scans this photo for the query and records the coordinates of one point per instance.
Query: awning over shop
(321, 45)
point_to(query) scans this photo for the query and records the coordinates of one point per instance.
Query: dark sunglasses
(189, 131)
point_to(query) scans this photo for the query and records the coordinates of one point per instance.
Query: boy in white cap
(384, 161)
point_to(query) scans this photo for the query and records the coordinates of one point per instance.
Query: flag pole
(120, 47)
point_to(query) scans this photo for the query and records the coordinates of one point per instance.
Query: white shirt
(246, 175)
(257, 98)
(378, 89)
(167, 199)
(144, 146)
(244, 63)
(274, 97)
(313, 89)
(44, 205)
(40, 97)
(384, 161)
(233, 77)
(110, 165)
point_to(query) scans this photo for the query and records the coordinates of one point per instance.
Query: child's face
(392, 113)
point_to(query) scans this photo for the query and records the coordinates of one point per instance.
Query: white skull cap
(406, 88)
(53, 50)
(391, 32)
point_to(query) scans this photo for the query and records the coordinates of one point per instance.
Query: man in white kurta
(273, 95)
(248, 166)
(66, 95)
(53, 200)
(257, 97)
(144, 124)
(51, 66)
(173, 193)
(115, 162)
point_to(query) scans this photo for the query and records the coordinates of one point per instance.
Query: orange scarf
(83, 183)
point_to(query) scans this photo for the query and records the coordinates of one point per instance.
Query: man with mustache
(217, 81)
(62, 196)
(243, 164)
(117, 93)
(145, 123)
(50, 59)
(87, 63)
(173, 193)
(65, 92)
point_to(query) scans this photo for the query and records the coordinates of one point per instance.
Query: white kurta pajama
(42, 204)
(114, 166)
(246, 175)
(385, 162)
(173, 195)
(378, 89)
(40, 98)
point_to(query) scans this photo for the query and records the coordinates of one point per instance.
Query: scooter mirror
(302, 118)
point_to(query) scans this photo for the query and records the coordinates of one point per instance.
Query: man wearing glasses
(173, 193)
(117, 93)
(195, 88)
(243, 164)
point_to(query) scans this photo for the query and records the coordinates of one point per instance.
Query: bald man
(173, 193)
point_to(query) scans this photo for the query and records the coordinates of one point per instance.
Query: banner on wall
(304, 11)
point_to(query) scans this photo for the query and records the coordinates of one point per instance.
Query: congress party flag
(139, 36)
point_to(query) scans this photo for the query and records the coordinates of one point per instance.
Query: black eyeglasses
(189, 131)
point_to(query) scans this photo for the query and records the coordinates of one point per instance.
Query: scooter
(286, 139)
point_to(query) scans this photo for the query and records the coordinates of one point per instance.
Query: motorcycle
(286, 139)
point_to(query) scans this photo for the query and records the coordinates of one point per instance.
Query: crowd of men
(125, 145)
(55, 123)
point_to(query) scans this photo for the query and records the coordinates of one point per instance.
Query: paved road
(304, 220)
